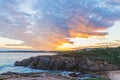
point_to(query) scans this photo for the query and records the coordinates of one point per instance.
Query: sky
(59, 24)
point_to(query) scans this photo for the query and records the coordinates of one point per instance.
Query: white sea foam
(7, 61)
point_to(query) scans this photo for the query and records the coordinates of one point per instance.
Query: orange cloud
(79, 28)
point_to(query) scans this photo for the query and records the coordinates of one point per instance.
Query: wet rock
(73, 75)
(9, 73)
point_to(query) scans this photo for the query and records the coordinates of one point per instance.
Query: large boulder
(65, 63)
(24, 62)
(43, 63)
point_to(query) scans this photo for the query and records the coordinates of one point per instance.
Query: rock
(70, 63)
(25, 62)
(32, 76)
(65, 63)
(89, 63)
(58, 63)
(9, 73)
(73, 75)
(34, 61)
(43, 63)
(95, 67)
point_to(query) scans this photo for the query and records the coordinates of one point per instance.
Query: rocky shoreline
(50, 76)
(109, 75)
(65, 63)
(80, 64)
(33, 76)
(86, 68)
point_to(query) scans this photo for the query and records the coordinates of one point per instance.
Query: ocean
(7, 61)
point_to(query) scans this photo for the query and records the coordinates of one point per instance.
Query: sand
(114, 75)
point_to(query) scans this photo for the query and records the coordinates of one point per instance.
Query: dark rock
(10, 73)
(73, 75)
(59, 63)
(25, 62)
(65, 63)
(43, 63)
(34, 61)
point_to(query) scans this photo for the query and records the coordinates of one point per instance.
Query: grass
(1, 79)
(110, 55)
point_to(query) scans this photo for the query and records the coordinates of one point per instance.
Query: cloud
(29, 7)
(46, 24)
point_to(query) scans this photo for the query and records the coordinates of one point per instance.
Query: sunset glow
(59, 24)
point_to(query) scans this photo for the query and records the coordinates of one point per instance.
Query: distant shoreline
(27, 51)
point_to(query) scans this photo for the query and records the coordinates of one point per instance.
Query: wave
(10, 67)
(4, 68)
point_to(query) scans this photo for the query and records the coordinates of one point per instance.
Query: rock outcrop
(33, 76)
(65, 63)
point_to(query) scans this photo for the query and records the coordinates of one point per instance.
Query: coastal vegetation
(1, 79)
(95, 61)
(110, 55)
(98, 78)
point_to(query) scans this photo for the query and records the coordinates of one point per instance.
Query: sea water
(7, 61)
